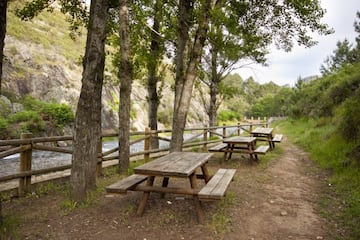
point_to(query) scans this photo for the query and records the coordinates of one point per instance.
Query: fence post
(147, 144)
(99, 160)
(238, 129)
(25, 165)
(205, 137)
(266, 123)
(251, 127)
(224, 131)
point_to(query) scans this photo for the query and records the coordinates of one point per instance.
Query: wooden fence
(201, 137)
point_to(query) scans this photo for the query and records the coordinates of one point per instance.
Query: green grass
(48, 29)
(328, 149)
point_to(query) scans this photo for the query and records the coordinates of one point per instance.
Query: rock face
(29, 68)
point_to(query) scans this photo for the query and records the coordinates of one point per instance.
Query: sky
(285, 68)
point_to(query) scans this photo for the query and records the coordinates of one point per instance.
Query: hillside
(43, 61)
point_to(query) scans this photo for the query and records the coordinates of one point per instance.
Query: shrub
(60, 113)
(228, 115)
(31, 103)
(350, 121)
(3, 127)
(24, 116)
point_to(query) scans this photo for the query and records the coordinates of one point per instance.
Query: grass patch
(9, 227)
(220, 221)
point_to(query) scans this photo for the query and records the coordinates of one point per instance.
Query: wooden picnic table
(177, 165)
(264, 134)
(240, 144)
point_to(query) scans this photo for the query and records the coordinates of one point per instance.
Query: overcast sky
(285, 68)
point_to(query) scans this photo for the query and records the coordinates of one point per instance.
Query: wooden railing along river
(201, 137)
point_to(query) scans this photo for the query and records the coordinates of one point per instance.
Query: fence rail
(202, 136)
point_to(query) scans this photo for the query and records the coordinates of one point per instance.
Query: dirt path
(282, 205)
(273, 201)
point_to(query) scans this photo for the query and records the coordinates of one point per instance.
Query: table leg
(199, 210)
(232, 149)
(205, 173)
(165, 183)
(145, 197)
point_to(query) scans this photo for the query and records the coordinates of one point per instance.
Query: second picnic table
(264, 134)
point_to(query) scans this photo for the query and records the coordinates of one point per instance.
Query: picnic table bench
(177, 165)
(240, 144)
(277, 138)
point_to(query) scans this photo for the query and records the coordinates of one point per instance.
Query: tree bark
(88, 114)
(3, 11)
(125, 76)
(184, 91)
(153, 76)
(184, 19)
(214, 89)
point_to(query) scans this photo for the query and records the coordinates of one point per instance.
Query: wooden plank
(218, 148)
(215, 189)
(262, 149)
(175, 164)
(126, 184)
(277, 138)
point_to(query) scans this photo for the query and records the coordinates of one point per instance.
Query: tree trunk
(125, 76)
(214, 88)
(153, 77)
(184, 18)
(183, 94)
(88, 114)
(3, 11)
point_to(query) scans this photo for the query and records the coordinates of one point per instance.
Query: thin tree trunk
(3, 11)
(125, 76)
(184, 19)
(153, 77)
(214, 89)
(88, 114)
(183, 98)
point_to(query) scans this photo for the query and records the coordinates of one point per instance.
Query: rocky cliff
(31, 68)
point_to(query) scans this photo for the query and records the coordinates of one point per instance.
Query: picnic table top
(239, 139)
(262, 130)
(175, 164)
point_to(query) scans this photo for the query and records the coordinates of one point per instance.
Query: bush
(350, 121)
(3, 127)
(60, 113)
(4, 108)
(228, 115)
(28, 121)
(24, 116)
(31, 103)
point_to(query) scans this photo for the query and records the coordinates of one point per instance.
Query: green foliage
(324, 96)
(60, 113)
(228, 115)
(35, 116)
(350, 120)
(3, 127)
(8, 228)
(3, 123)
(24, 116)
(50, 28)
(4, 108)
